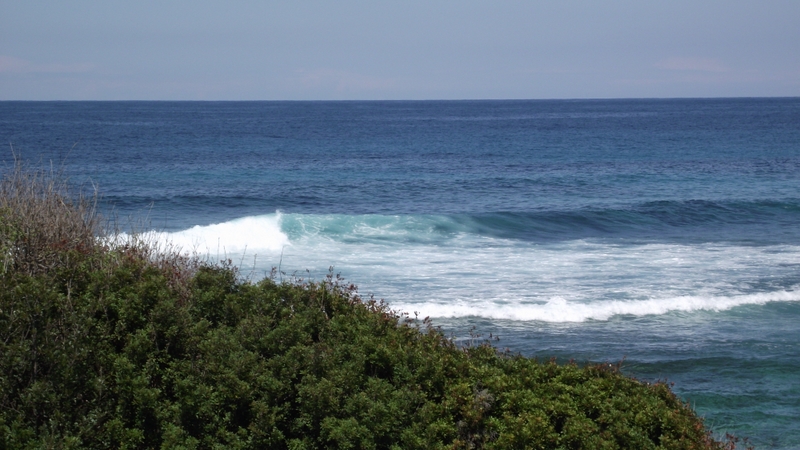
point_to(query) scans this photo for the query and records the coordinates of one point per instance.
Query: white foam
(247, 235)
(569, 281)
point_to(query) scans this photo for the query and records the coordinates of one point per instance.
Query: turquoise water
(661, 232)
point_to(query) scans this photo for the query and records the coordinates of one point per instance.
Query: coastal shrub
(113, 346)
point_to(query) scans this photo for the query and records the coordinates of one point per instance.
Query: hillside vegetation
(107, 343)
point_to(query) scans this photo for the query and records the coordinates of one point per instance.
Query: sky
(397, 50)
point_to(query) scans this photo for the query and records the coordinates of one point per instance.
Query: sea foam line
(561, 310)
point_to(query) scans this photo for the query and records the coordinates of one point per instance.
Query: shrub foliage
(118, 346)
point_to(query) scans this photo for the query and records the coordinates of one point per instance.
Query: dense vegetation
(112, 344)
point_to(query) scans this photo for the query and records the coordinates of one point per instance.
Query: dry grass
(44, 226)
(40, 222)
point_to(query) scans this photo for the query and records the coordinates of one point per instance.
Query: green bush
(118, 346)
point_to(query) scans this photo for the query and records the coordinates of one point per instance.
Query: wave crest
(252, 235)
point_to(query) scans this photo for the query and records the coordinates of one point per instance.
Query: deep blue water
(664, 232)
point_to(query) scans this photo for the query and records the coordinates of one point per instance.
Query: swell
(662, 220)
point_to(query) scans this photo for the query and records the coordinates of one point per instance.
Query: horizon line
(407, 100)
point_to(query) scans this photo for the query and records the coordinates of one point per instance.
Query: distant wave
(661, 219)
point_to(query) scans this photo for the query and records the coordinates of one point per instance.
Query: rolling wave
(690, 220)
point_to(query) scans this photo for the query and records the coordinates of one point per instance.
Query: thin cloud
(692, 64)
(10, 64)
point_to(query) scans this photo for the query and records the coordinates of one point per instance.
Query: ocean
(661, 233)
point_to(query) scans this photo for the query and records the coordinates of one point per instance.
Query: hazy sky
(307, 50)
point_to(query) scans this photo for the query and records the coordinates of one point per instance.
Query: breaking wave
(456, 266)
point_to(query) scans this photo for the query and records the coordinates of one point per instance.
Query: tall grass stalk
(41, 222)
